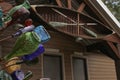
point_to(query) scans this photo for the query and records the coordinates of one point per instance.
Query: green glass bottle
(26, 4)
(28, 75)
(25, 44)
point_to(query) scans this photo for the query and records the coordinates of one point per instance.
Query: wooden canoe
(71, 22)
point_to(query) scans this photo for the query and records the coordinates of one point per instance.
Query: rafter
(115, 50)
(113, 38)
(69, 4)
(118, 47)
(59, 3)
(81, 7)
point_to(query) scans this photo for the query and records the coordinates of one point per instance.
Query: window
(52, 67)
(79, 69)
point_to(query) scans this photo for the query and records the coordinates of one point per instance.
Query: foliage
(114, 7)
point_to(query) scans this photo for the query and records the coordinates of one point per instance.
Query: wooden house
(84, 44)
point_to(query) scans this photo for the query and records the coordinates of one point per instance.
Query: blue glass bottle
(42, 33)
(35, 54)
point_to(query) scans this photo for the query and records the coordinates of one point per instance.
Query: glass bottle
(26, 4)
(35, 54)
(28, 75)
(25, 44)
(18, 75)
(42, 33)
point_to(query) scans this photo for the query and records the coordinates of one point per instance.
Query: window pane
(52, 67)
(78, 69)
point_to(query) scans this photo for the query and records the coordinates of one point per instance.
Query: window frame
(53, 52)
(85, 64)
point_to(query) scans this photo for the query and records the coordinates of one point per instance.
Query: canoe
(70, 22)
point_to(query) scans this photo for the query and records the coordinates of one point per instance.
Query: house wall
(100, 67)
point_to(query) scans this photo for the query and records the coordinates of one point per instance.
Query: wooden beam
(81, 7)
(69, 4)
(62, 14)
(114, 48)
(118, 47)
(59, 3)
(113, 38)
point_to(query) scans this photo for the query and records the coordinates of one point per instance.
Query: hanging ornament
(11, 66)
(18, 75)
(35, 54)
(18, 17)
(17, 26)
(28, 22)
(28, 75)
(4, 75)
(17, 12)
(19, 32)
(23, 30)
(27, 43)
(42, 33)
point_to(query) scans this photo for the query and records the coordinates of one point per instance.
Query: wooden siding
(63, 42)
(101, 67)
(8, 44)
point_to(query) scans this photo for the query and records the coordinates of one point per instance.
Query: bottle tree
(29, 43)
